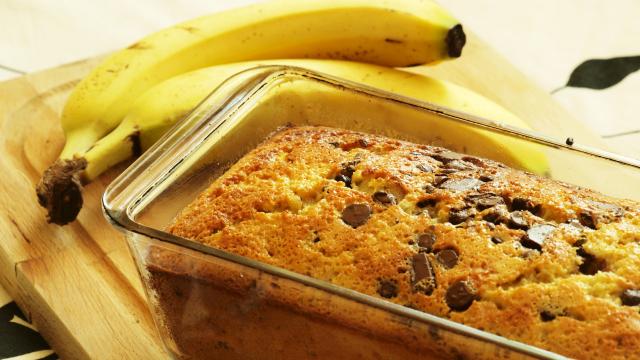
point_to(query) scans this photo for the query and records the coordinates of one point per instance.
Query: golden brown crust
(525, 257)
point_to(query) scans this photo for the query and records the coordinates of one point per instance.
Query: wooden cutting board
(78, 283)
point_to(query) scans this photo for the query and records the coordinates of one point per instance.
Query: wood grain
(77, 283)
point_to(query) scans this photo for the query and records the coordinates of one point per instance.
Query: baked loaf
(464, 238)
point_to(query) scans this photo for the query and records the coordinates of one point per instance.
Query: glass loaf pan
(211, 303)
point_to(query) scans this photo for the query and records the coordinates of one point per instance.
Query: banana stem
(59, 190)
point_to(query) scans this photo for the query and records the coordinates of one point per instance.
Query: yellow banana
(385, 32)
(161, 106)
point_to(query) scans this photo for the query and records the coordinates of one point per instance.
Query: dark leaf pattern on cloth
(18, 339)
(600, 74)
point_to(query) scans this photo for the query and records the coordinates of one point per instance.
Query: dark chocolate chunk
(461, 184)
(429, 188)
(384, 198)
(581, 251)
(489, 201)
(427, 202)
(447, 156)
(426, 241)
(521, 204)
(459, 165)
(447, 257)
(424, 168)
(573, 226)
(345, 179)
(614, 209)
(349, 168)
(517, 220)
(460, 296)
(387, 288)
(587, 220)
(356, 214)
(486, 178)
(590, 264)
(424, 279)
(439, 179)
(473, 160)
(493, 217)
(547, 316)
(630, 297)
(445, 171)
(459, 216)
(536, 235)
(496, 240)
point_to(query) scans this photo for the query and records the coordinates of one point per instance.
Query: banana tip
(60, 190)
(456, 39)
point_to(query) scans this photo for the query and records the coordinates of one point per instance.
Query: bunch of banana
(386, 32)
(124, 105)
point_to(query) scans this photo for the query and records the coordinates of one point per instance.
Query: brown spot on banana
(139, 46)
(60, 190)
(136, 146)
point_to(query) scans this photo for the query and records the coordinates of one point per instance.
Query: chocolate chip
(345, 179)
(614, 209)
(387, 288)
(521, 204)
(427, 202)
(425, 168)
(384, 198)
(536, 235)
(459, 165)
(447, 257)
(356, 214)
(426, 241)
(587, 220)
(447, 156)
(547, 316)
(496, 240)
(460, 296)
(349, 168)
(424, 280)
(461, 184)
(439, 179)
(630, 297)
(458, 216)
(493, 217)
(429, 188)
(486, 178)
(489, 201)
(573, 226)
(517, 220)
(474, 160)
(590, 264)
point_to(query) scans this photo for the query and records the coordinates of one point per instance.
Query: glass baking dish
(214, 304)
